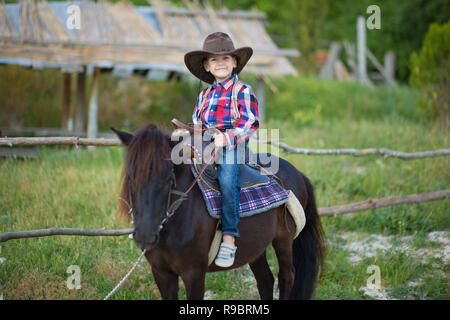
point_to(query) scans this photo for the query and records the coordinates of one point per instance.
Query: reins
(126, 276)
(183, 195)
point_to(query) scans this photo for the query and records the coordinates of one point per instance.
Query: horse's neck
(190, 226)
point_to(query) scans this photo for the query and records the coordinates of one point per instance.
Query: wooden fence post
(361, 45)
(92, 129)
(80, 111)
(65, 107)
(389, 66)
(261, 96)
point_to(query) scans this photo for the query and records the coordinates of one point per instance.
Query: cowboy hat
(215, 43)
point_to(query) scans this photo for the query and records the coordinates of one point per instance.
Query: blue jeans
(228, 176)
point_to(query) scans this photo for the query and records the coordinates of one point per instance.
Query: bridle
(172, 207)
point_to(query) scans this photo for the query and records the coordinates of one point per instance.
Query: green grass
(345, 179)
(79, 188)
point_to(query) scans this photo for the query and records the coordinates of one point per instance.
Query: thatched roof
(125, 38)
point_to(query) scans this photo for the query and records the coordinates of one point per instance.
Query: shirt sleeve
(248, 122)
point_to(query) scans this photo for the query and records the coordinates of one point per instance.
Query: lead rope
(126, 276)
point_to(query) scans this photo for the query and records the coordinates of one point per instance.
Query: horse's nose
(146, 242)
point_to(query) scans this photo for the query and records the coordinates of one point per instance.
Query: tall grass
(305, 101)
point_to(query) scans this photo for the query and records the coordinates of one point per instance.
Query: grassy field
(79, 188)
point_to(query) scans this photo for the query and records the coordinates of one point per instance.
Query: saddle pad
(253, 200)
(249, 175)
(295, 209)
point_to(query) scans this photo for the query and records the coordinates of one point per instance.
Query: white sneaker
(225, 257)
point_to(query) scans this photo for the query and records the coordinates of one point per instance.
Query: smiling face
(221, 66)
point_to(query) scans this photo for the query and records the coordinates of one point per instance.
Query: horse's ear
(125, 137)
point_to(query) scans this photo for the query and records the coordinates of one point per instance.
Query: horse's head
(147, 181)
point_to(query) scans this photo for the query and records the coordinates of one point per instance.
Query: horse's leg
(167, 282)
(264, 277)
(283, 250)
(194, 281)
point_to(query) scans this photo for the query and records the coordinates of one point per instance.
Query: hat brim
(194, 61)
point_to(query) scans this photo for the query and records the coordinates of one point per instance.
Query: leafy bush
(304, 100)
(430, 72)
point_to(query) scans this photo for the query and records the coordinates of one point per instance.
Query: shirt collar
(226, 83)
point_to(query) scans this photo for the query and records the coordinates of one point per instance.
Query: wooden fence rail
(45, 141)
(76, 141)
(62, 232)
(360, 152)
(370, 204)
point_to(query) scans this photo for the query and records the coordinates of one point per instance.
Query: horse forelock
(148, 155)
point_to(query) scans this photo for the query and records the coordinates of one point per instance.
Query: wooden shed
(86, 37)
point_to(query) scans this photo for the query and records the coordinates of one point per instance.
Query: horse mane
(147, 156)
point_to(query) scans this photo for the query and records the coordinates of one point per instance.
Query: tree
(307, 19)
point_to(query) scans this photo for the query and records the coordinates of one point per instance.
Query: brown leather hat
(215, 43)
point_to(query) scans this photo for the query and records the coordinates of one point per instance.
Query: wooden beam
(65, 106)
(379, 67)
(261, 97)
(350, 57)
(287, 149)
(92, 129)
(75, 141)
(49, 47)
(327, 70)
(20, 141)
(370, 204)
(389, 66)
(221, 13)
(62, 232)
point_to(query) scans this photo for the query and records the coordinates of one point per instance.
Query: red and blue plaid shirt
(215, 111)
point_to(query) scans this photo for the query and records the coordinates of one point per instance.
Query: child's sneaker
(225, 257)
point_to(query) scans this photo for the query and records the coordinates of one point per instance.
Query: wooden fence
(369, 204)
(76, 141)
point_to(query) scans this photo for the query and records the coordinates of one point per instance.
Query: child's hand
(220, 140)
(179, 132)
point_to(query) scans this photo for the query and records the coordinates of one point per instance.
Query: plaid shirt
(216, 110)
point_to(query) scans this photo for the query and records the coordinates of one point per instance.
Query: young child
(230, 106)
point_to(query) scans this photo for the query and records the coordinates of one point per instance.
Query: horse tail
(309, 250)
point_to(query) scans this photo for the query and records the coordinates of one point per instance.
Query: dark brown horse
(180, 248)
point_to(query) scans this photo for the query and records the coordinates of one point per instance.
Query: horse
(178, 247)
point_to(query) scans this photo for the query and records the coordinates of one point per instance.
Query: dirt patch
(368, 246)
(45, 286)
(436, 246)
